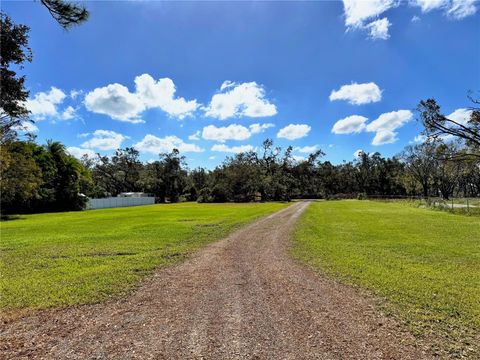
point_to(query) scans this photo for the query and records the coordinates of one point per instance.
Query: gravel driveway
(239, 298)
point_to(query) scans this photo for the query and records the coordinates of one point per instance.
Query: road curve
(238, 298)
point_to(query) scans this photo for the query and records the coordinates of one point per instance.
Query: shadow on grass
(4, 217)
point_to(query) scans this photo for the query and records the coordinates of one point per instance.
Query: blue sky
(214, 77)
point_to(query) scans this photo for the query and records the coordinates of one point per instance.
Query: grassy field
(425, 263)
(71, 258)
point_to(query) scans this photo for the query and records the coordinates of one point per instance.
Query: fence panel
(114, 202)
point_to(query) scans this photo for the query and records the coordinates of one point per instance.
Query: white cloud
(384, 137)
(105, 140)
(386, 124)
(195, 136)
(306, 149)
(75, 93)
(294, 131)
(116, 101)
(357, 153)
(26, 126)
(44, 104)
(68, 114)
(357, 12)
(155, 145)
(211, 158)
(379, 29)
(79, 152)
(221, 134)
(429, 5)
(232, 149)
(455, 9)
(461, 116)
(415, 19)
(235, 100)
(358, 94)
(232, 132)
(350, 124)
(83, 135)
(390, 121)
(161, 94)
(418, 139)
(259, 128)
(461, 9)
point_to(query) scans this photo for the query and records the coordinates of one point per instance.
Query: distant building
(133, 194)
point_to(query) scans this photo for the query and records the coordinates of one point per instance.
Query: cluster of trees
(46, 178)
(38, 178)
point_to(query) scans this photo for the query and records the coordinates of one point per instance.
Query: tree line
(37, 178)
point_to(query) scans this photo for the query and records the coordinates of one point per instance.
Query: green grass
(425, 263)
(61, 259)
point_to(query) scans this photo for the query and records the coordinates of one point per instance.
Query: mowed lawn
(425, 263)
(61, 259)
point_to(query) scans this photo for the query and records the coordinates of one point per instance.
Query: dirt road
(239, 298)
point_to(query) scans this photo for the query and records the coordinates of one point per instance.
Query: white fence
(114, 202)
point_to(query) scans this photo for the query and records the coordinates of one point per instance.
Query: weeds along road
(239, 298)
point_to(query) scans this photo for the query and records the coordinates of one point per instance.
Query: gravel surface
(239, 298)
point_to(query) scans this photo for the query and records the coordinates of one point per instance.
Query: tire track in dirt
(239, 298)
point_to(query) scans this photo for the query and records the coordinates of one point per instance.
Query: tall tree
(437, 125)
(14, 50)
(421, 163)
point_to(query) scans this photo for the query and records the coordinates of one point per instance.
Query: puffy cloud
(44, 104)
(161, 94)
(221, 134)
(232, 132)
(195, 136)
(116, 101)
(379, 29)
(232, 149)
(105, 140)
(68, 114)
(358, 94)
(384, 137)
(390, 121)
(235, 100)
(386, 124)
(461, 116)
(155, 145)
(259, 128)
(350, 124)
(306, 149)
(26, 126)
(79, 152)
(294, 131)
(357, 12)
